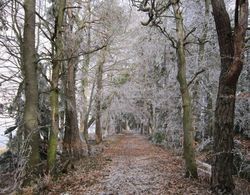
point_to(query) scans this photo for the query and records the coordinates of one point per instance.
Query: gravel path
(138, 167)
(129, 165)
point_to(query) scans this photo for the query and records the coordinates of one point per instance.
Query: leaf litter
(129, 164)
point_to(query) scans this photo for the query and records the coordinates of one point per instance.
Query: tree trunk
(209, 109)
(189, 152)
(57, 47)
(85, 69)
(208, 131)
(201, 63)
(231, 52)
(203, 39)
(98, 130)
(196, 109)
(31, 84)
(87, 122)
(73, 147)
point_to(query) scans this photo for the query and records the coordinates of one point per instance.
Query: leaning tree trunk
(57, 47)
(231, 53)
(189, 152)
(31, 84)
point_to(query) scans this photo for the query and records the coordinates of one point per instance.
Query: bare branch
(167, 35)
(190, 32)
(196, 74)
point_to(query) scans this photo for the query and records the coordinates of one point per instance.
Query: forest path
(135, 167)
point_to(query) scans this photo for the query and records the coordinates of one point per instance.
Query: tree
(31, 84)
(203, 65)
(57, 54)
(84, 115)
(231, 44)
(155, 12)
(189, 153)
(73, 147)
(99, 88)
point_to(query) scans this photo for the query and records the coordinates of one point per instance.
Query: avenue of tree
(76, 65)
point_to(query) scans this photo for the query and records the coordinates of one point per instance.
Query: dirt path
(134, 166)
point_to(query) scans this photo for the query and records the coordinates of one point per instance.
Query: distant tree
(202, 133)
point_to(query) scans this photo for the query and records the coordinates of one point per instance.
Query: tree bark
(189, 152)
(231, 53)
(98, 130)
(31, 84)
(57, 53)
(73, 147)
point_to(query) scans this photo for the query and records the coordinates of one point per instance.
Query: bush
(159, 137)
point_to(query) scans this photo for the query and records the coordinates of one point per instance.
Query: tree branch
(196, 74)
(167, 35)
(190, 32)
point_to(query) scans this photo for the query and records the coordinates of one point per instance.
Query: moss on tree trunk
(57, 46)
(189, 152)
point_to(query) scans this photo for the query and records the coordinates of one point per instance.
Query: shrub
(159, 137)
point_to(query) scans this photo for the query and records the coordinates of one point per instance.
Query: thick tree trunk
(31, 84)
(57, 47)
(231, 52)
(189, 152)
(98, 130)
(73, 147)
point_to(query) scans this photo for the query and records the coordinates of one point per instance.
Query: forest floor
(129, 164)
